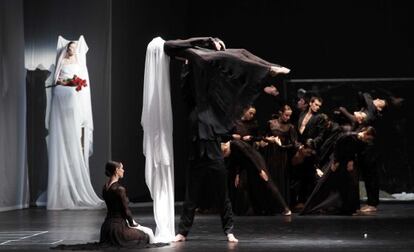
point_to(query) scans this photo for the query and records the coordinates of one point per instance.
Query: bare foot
(368, 208)
(179, 238)
(287, 212)
(275, 70)
(231, 238)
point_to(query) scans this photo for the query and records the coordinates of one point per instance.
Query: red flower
(76, 82)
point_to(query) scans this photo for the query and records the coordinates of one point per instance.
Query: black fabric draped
(337, 192)
(223, 81)
(246, 157)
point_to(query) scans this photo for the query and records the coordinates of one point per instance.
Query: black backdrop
(345, 39)
(336, 39)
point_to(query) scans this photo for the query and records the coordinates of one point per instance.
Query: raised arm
(175, 48)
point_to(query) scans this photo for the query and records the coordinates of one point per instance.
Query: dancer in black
(337, 192)
(219, 83)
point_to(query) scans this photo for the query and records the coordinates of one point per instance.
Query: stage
(391, 229)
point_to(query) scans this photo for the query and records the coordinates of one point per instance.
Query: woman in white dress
(70, 132)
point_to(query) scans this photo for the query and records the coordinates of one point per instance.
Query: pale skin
(379, 104)
(247, 116)
(70, 58)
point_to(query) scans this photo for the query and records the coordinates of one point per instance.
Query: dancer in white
(70, 125)
(157, 123)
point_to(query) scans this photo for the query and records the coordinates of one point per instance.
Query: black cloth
(243, 198)
(337, 192)
(218, 84)
(37, 160)
(331, 134)
(248, 159)
(203, 170)
(366, 104)
(314, 129)
(304, 175)
(368, 160)
(222, 82)
(278, 157)
(114, 230)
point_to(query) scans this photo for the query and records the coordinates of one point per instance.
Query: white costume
(69, 184)
(157, 123)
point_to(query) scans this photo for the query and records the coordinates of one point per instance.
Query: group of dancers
(309, 163)
(313, 161)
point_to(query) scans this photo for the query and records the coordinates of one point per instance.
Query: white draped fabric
(13, 169)
(70, 113)
(157, 124)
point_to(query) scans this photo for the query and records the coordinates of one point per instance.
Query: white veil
(87, 120)
(69, 184)
(157, 123)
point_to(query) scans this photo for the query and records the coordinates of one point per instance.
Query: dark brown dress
(114, 230)
(277, 157)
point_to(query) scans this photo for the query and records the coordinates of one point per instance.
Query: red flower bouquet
(76, 82)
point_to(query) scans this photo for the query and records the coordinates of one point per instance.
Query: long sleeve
(177, 47)
(321, 128)
(348, 115)
(126, 211)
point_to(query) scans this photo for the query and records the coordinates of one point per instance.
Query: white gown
(69, 184)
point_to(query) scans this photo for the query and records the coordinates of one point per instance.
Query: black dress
(278, 157)
(250, 160)
(337, 192)
(244, 197)
(114, 230)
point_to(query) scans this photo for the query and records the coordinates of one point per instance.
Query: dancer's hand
(319, 172)
(237, 181)
(247, 138)
(236, 136)
(275, 70)
(272, 90)
(350, 166)
(263, 175)
(278, 141)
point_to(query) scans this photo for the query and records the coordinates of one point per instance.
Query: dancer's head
(248, 113)
(360, 117)
(315, 104)
(285, 112)
(113, 168)
(71, 48)
(367, 134)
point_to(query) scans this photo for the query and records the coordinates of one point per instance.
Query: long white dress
(69, 184)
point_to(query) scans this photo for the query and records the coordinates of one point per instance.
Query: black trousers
(367, 164)
(215, 172)
(303, 181)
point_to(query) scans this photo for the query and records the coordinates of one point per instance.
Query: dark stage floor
(391, 229)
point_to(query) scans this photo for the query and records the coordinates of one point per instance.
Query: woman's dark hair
(110, 168)
(370, 131)
(284, 108)
(71, 42)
